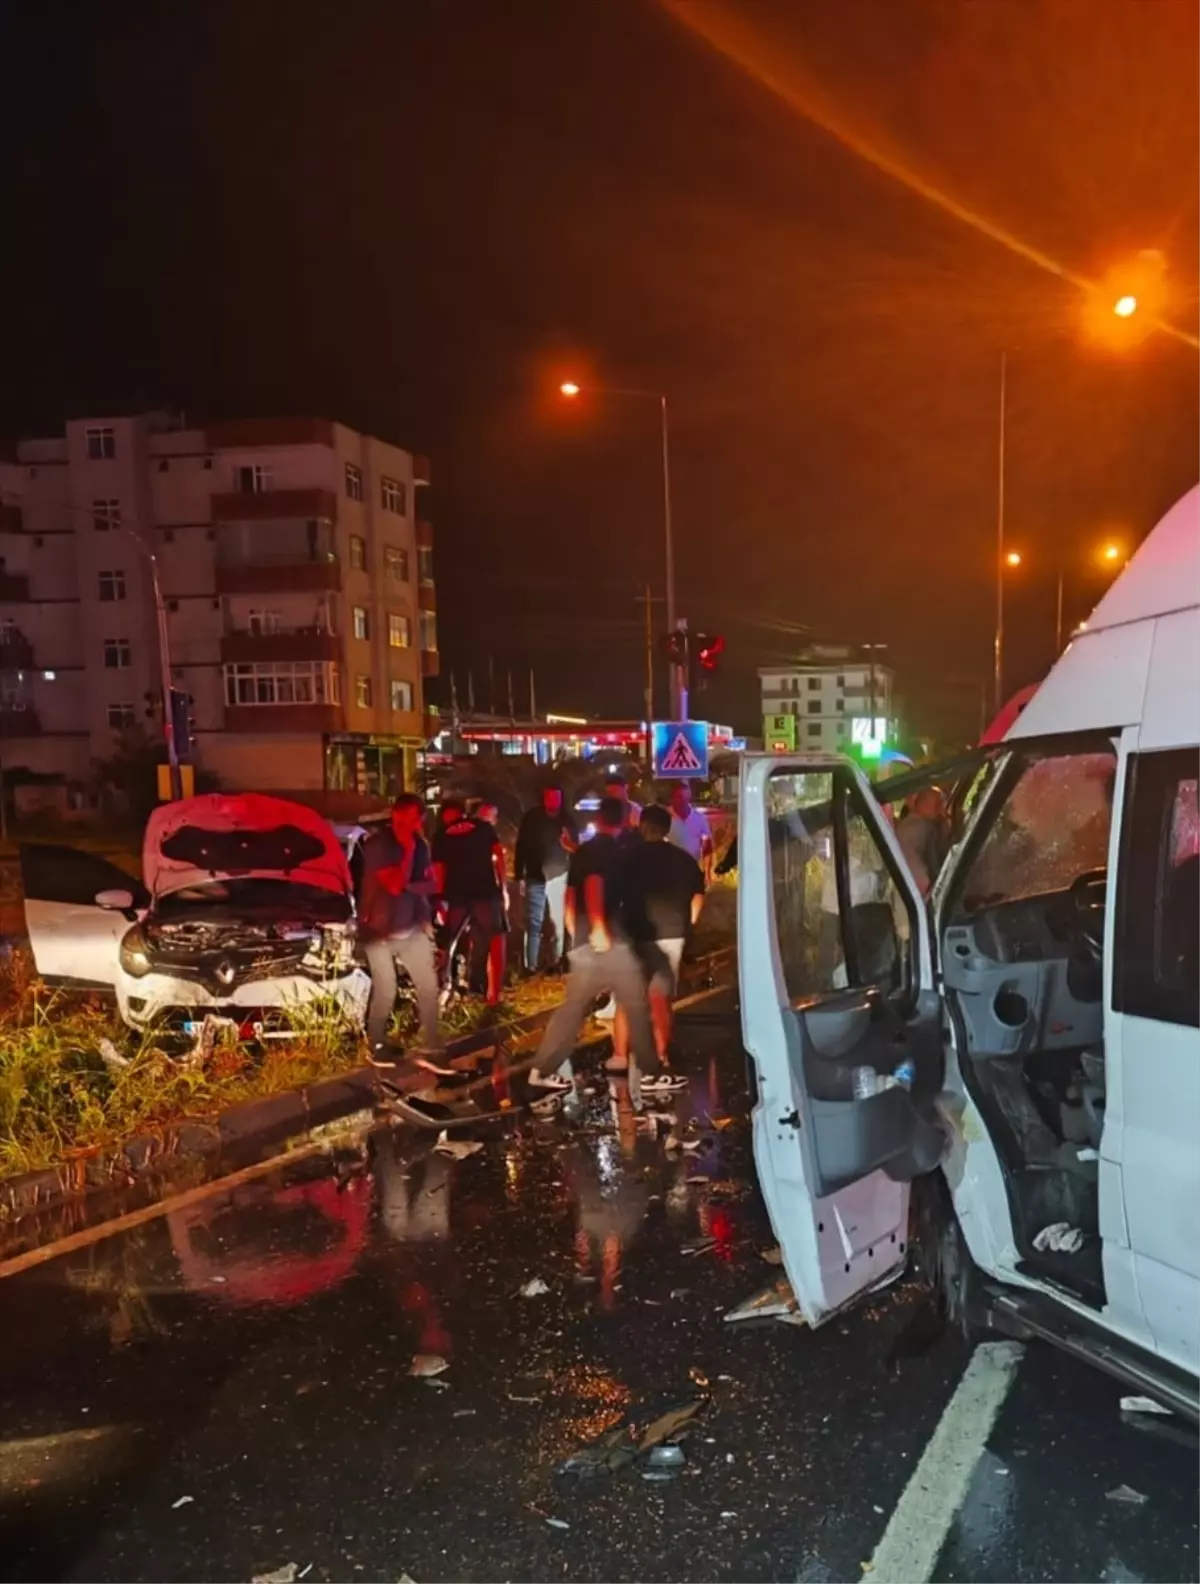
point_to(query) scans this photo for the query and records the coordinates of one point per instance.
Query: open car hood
(223, 836)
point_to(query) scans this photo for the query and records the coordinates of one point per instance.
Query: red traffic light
(709, 649)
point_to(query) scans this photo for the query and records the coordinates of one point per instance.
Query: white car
(245, 913)
(1024, 1049)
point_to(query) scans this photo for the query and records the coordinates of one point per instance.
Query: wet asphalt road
(225, 1390)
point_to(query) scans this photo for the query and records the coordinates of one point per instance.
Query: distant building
(827, 689)
(296, 564)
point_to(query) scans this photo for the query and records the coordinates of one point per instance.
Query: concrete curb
(152, 1162)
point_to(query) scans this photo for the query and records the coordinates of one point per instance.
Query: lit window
(106, 514)
(112, 586)
(362, 692)
(282, 682)
(395, 563)
(121, 717)
(401, 695)
(393, 495)
(358, 552)
(362, 622)
(253, 480)
(428, 630)
(425, 564)
(354, 482)
(118, 655)
(399, 631)
(263, 621)
(101, 444)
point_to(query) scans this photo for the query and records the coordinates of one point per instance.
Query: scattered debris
(464, 1413)
(697, 1180)
(435, 1385)
(772, 1256)
(722, 1122)
(1126, 1494)
(405, 1579)
(1142, 1405)
(305, 1570)
(111, 1056)
(456, 1149)
(666, 1456)
(699, 1245)
(669, 1424)
(513, 1397)
(426, 1364)
(1059, 1238)
(775, 1301)
(534, 1288)
(728, 1515)
(182, 1502)
(558, 1523)
(282, 1575)
(633, 1440)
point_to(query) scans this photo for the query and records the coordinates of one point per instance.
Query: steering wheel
(1088, 898)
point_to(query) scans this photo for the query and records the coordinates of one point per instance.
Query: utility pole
(647, 598)
(998, 658)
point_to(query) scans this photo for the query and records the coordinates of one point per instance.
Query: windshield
(253, 897)
(1053, 827)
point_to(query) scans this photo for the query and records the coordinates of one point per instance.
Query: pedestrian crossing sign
(680, 749)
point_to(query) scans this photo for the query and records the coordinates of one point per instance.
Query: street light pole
(164, 674)
(679, 700)
(998, 657)
(1058, 613)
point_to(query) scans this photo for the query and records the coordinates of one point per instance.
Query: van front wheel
(941, 1259)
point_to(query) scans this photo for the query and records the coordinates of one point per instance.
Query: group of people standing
(616, 908)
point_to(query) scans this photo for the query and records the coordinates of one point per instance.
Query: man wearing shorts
(663, 892)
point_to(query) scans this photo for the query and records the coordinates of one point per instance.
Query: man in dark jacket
(393, 926)
(545, 841)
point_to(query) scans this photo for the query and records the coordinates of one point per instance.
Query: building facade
(835, 694)
(295, 560)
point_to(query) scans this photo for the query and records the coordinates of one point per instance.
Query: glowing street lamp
(1125, 307)
(568, 388)
(1013, 558)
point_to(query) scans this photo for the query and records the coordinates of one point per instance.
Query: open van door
(78, 906)
(837, 994)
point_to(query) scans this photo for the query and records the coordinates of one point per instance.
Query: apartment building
(838, 694)
(295, 560)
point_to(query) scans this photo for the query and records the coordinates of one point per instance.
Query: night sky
(418, 216)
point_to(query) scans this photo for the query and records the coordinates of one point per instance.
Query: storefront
(371, 765)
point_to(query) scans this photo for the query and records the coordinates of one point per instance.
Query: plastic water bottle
(905, 1073)
(865, 1081)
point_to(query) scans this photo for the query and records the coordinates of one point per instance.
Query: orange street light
(1013, 558)
(1111, 552)
(569, 388)
(1125, 307)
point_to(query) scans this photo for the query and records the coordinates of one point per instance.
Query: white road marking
(916, 1530)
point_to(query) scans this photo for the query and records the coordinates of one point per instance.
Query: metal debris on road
(772, 1256)
(1126, 1494)
(1142, 1405)
(426, 1364)
(558, 1523)
(281, 1575)
(182, 1502)
(698, 1246)
(773, 1302)
(456, 1149)
(534, 1288)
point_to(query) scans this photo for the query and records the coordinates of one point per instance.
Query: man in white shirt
(690, 829)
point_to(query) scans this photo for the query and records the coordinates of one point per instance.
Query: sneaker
(664, 1083)
(548, 1105)
(382, 1056)
(554, 1081)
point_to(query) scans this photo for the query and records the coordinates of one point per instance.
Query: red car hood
(240, 835)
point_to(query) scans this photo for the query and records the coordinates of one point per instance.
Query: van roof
(1163, 574)
(1148, 619)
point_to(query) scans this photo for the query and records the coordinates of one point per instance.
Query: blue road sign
(680, 749)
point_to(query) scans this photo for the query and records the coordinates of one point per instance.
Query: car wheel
(940, 1257)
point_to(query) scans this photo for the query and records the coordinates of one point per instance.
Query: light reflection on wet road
(251, 1355)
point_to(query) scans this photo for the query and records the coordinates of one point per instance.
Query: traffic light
(183, 722)
(674, 647)
(706, 652)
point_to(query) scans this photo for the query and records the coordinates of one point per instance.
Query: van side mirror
(115, 901)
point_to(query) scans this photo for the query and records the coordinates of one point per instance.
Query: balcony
(14, 588)
(285, 719)
(274, 505)
(424, 534)
(426, 597)
(18, 721)
(431, 724)
(298, 643)
(265, 577)
(16, 652)
(431, 662)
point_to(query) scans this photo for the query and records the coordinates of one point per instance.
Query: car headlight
(133, 954)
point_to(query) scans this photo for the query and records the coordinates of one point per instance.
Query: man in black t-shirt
(468, 862)
(602, 956)
(663, 892)
(545, 841)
